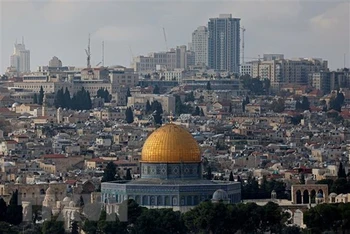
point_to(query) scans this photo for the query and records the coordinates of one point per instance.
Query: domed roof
(220, 195)
(170, 144)
(319, 195)
(66, 199)
(333, 195)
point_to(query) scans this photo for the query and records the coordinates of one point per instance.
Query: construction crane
(166, 43)
(103, 55)
(88, 54)
(243, 30)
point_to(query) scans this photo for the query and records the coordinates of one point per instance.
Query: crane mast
(88, 54)
(166, 43)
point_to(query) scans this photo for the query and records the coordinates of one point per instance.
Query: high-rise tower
(20, 59)
(224, 43)
(200, 45)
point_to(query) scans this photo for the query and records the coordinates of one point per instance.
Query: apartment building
(281, 71)
(170, 60)
(224, 43)
(200, 45)
(138, 101)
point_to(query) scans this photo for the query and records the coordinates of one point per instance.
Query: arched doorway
(298, 197)
(306, 197)
(313, 196)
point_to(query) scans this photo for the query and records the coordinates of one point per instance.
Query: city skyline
(135, 28)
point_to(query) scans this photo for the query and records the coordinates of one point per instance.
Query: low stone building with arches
(309, 193)
(171, 175)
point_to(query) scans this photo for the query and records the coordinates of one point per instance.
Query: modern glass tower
(224, 43)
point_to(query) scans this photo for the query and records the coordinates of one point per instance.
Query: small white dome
(67, 199)
(220, 195)
(15, 104)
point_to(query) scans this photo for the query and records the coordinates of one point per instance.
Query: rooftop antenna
(103, 53)
(166, 43)
(88, 53)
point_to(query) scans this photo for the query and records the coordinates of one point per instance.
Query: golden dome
(170, 144)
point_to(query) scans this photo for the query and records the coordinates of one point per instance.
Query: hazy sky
(306, 28)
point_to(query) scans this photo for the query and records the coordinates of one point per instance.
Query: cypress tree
(148, 107)
(109, 172)
(156, 90)
(231, 177)
(128, 174)
(14, 213)
(341, 171)
(41, 96)
(66, 99)
(89, 103)
(209, 173)
(196, 111)
(35, 99)
(208, 85)
(3, 210)
(129, 116)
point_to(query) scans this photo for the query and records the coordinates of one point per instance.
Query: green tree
(157, 112)
(74, 227)
(148, 107)
(89, 227)
(129, 115)
(277, 106)
(178, 105)
(341, 171)
(156, 90)
(53, 226)
(109, 173)
(323, 217)
(66, 99)
(41, 96)
(159, 221)
(81, 201)
(3, 210)
(59, 99)
(14, 213)
(231, 177)
(336, 102)
(35, 99)
(208, 85)
(202, 113)
(189, 97)
(6, 228)
(196, 111)
(209, 173)
(302, 178)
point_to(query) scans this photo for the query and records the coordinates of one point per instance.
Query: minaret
(44, 106)
(59, 115)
